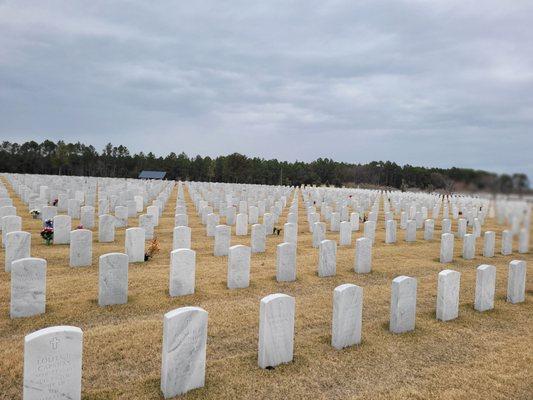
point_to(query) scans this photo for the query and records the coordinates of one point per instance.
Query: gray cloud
(441, 83)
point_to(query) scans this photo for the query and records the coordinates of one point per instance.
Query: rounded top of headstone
(53, 330)
(277, 297)
(184, 310)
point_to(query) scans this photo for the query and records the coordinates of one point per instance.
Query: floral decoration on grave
(54, 203)
(153, 249)
(48, 235)
(35, 213)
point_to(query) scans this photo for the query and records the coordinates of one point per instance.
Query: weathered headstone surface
(146, 221)
(286, 262)
(345, 238)
(28, 287)
(276, 330)
(184, 350)
(62, 228)
(507, 242)
(222, 240)
(121, 216)
(18, 245)
(390, 231)
(403, 304)
(489, 241)
(347, 316)
(469, 246)
(290, 233)
(52, 363)
(182, 272)
(327, 258)
(516, 282)
(370, 230)
(87, 217)
(485, 287)
(363, 256)
(448, 295)
(523, 241)
(113, 279)
(241, 227)
(106, 228)
(429, 227)
(410, 233)
(446, 247)
(181, 238)
(446, 225)
(81, 248)
(10, 223)
(181, 220)
(258, 238)
(239, 267)
(319, 233)
(135, 244)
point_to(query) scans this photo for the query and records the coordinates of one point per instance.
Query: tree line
(64, 158)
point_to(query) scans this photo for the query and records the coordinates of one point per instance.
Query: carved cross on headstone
(54, 342)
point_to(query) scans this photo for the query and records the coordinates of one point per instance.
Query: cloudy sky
(436, 83)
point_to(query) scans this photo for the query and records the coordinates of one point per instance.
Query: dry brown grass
(478, 356)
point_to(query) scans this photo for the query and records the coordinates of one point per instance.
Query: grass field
(478, 356)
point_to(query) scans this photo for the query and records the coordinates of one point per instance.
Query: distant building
(152, 175)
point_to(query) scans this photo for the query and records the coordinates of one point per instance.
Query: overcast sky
(434, 83)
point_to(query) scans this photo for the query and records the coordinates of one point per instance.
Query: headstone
(327, 258)
(446, 225)
(345, 238)
(370, 230)
(507, 242)
(181, 238)
(523, 241)
(448, 295)
(182, 272)
(290, 233)
(135, 244)
(429, 227)
(239, 267)
(87, 217)
(347, 316)
(106, 228)
(184, 350)
(74, 208)
(181, 220)
(81, 248)
(28, 287)
(446, 247)
(18, 245)
(354, 221)
(410, 233)
(485, 287)
(461, 227)
(212, 221)
(390, 231)
(469, 246)
(516, 282)
(112, 279)
(222, 240)
(241, 228)
(121, 217)
(363, 256)
(146, 221)
(489, 240)
(286, 262)
(153, 210)
(62, 228)
(258, 238)
(10, 223)
(276, 330)
(52, 363)
(319, 233)
(403, 304)
(335, 222)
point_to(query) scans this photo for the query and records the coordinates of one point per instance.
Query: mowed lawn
(485, 355)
